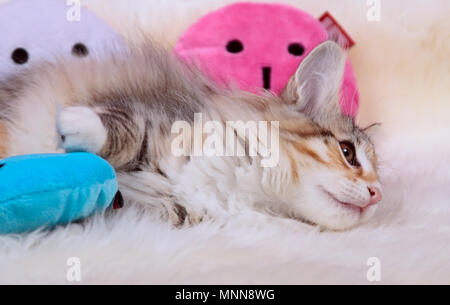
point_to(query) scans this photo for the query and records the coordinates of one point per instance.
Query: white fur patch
(81, 129)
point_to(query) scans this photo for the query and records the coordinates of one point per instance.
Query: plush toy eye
(1, 165)
(296, 49)
(235, 46)
(80, 50)
(20, 56)
(348, 149)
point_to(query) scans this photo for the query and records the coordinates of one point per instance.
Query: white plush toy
(33, 31)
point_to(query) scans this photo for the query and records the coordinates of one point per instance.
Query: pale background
(402, 64)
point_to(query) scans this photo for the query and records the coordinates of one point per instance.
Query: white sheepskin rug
(402, 63)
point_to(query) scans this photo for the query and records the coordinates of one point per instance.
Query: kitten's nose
(375, 195)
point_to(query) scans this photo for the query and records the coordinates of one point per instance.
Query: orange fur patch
(3, 141)
(304, 149)
(370, 177)
(336, 158)
(293, 163)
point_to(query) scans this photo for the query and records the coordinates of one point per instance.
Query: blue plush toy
(40, 191)
(46, 190)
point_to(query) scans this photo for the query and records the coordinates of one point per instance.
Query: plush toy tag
(336, 31)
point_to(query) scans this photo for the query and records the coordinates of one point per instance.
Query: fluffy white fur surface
(402, 64)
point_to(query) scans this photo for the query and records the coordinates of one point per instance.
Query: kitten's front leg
(115, 134)
(81, 129)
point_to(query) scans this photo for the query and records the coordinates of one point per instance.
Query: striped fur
(123, 108)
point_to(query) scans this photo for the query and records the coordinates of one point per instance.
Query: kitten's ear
(317, 82)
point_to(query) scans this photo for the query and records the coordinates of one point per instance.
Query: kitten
(124, 107)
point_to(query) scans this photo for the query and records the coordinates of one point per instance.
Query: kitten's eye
(235, 46)
(296, 49)
(348, 149)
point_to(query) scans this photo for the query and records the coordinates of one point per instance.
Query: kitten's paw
(81, 130)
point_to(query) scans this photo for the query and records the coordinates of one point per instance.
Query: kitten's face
(332, 163)
(334, 181)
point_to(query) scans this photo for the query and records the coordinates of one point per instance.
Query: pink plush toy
(256, 45)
